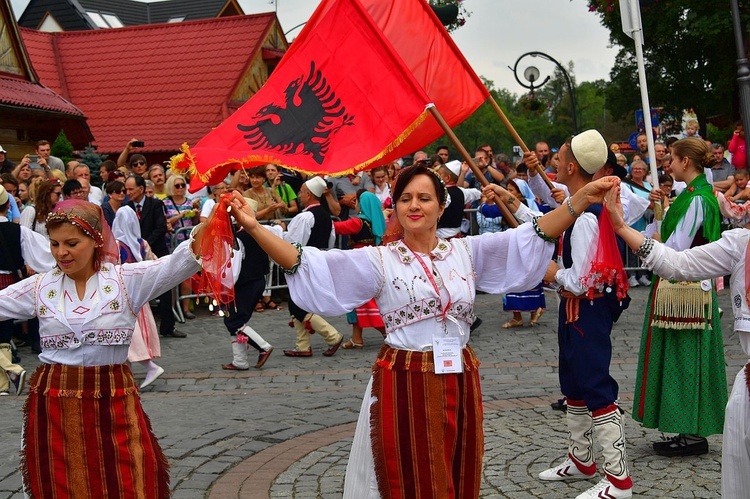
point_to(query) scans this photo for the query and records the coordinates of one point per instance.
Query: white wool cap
(590, 150)
(454, 166)
(316, 186)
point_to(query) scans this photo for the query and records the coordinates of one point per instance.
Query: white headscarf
(126, 230)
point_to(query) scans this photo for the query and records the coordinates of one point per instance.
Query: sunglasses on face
(138, 163)
(179, 186)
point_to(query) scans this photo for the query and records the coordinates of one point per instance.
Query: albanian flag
(437, 64)
(340, 100)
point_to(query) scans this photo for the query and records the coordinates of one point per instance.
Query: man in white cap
(312, 227)
(584, 338)
(449, 224)
(19, 246)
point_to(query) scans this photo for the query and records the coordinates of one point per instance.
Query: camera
(517, 150)
(33, 158)
(136, 143)
(329, 185)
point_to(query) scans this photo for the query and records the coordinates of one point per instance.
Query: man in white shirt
(313, 227)
(81, 171)
(584, 338)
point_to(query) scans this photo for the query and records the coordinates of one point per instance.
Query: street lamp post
(531, 74)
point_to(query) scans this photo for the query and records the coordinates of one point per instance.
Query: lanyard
(444, 311)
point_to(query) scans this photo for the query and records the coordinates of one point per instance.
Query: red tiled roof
(163, 83)
(22, 93)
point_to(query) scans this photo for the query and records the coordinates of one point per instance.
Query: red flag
(433, 58)
(340, 100)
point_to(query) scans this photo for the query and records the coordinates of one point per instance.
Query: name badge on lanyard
(446, 350)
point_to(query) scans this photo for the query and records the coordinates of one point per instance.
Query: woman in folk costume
(85, 433)
(681, 384)
(366, 229)
(728, 255)
(144, 345)
(425, 288)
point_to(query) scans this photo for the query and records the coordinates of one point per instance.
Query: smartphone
(136, 143)
(33, 158)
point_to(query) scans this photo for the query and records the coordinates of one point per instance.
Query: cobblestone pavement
(285, 431)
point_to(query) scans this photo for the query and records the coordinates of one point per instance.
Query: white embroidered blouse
(335, 282)
(95, 330)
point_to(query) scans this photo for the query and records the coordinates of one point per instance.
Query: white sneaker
(604, 489)
(565, 471)
(633, 282)
(645, 281)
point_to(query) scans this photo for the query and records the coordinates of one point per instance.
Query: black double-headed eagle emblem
(304, 123)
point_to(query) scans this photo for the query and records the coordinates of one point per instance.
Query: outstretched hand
(242, 211)
(614, 206)
(595, 191)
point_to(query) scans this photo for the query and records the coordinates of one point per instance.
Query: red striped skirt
(86, 435)
(427, 436)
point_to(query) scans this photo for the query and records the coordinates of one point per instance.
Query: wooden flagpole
(507, 215)
(518, 139)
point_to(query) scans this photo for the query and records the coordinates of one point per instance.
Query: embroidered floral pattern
(108, 288)
(107, 336)
(43, 310)
(114, 305)
(425, 309)
(441, 251)
(59, 342)
(119, 336)
(51, 294)
(57, 272)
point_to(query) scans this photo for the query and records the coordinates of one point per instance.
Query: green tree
(689, 55)
(94, 160)
(62, 148)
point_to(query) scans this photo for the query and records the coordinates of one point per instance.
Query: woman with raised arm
(85, 432)
(728, 255)
(681, 379)
(425, 390)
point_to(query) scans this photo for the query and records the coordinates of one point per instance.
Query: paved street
(285, 431)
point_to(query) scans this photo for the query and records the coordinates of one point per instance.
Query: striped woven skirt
(426, 428)
(86, 435)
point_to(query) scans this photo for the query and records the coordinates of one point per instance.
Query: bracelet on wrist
(540, 232)
(572, 212)
(645, 248)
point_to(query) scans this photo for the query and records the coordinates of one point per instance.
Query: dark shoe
(232, 367)
(560, 405)
(477, 322)
(189, 315)
(271, 305)
(263, 357)
(18, 381)
(682, 445)
(298, 353)
(175, 334)
(332, 349)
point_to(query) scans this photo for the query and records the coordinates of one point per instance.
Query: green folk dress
(681, 384)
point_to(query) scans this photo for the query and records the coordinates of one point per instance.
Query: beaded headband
(86, 228)
(434, 172)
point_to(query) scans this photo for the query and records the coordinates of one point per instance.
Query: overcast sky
(500, 31)
(497, 33)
